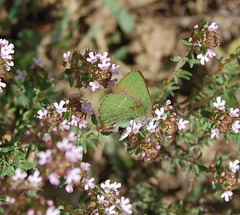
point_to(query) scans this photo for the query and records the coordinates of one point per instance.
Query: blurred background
(142, 35)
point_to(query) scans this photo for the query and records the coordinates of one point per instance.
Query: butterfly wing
(117, 110)
(133, 85)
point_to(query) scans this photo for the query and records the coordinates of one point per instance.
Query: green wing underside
(118, 110)
(133, 86)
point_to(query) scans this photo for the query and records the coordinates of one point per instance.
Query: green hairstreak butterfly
(129, 99)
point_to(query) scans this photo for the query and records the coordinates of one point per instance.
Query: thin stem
(205, 100)
(214, 75)
(39, 96)
(170, 77)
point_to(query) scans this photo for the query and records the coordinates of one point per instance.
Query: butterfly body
(129, 99)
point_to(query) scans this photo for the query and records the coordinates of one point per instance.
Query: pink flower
(215, 133)
(64, 145)
(35, 179)
(21, 75)
(74, 154)
(73, 175)
(19, 175)
(92, 58)
(82, 124)
(109, 211)
(213, 26)
(64, 125)
(94, 85)
(6, 50)
(234, 112)
(134, 126)
(115, 69)
(104, 65)
(86, 107)
(54, 178)
(75, 121)
(69, 188)
(85, 166)
(38, 61)
(45, 157)
(89, 184)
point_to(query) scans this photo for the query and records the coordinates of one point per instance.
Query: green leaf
(125, 21)
(70, 80)
(202, 168)
(204, 25)
(206, 114)
(175, 58)
(94, 119)
(185, 42)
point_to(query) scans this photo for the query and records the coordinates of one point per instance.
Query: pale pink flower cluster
(103, 63)
(60, 109)
(205, 57)
(67, 56)
(34, 180)
(109, 201)
(6, 52)
(233, 113)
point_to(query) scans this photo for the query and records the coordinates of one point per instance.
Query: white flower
(73, 175)
(52, 211)
(2, 85)
(215, 133)
(46, 137)
(233, 166)
(109, 211)
(181, 124)
(75, 120)
(64, 125)
(94, 85)
(92, 58)
(236, 126)
(6, 49)
(89, 184)
(64, 145)
(125, 204)
(151, 127)
(227, 195)
(134, 126)
(59, 107)
(21, 75)
(42, 114)
(45, 157)
(82, 124)
(108, 187)
(19, 175)
(67, 56)
(203, 58)
(220, 104)
(74, 154)
(213, 26)
(104, 65)
(234, 112)
(103, 57)
(160, 114)
(35, 179)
